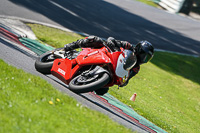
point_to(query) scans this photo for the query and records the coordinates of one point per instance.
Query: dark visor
(144, 57)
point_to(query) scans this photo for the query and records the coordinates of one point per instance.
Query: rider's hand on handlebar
(132, 48)
(127, 45)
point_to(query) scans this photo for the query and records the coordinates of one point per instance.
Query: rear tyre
(45, 61)
(82, 84)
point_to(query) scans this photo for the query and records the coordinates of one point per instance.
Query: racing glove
(127, 45)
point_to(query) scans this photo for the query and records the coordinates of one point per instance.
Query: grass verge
(168, 89)
(29, 104)
(149, 2)
(168, 92)
(54, 37)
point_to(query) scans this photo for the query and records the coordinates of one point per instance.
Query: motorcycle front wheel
(44, 62)
(83, 84)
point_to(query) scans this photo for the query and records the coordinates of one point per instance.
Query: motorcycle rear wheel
(99, 82)
(45, 61)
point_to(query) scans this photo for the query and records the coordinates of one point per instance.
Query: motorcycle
(88, 70)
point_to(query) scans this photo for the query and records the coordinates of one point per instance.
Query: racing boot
(91, 41)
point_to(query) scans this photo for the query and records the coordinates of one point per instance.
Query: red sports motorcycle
(88, 70)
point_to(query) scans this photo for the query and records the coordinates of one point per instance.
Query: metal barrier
(173, 6)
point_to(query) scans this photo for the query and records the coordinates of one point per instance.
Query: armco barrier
(173, 6)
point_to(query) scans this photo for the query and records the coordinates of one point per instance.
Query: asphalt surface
(123, 19)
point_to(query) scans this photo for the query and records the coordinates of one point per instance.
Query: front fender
(98, 70)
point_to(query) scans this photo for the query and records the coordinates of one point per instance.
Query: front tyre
(44, 62)
(82, 84)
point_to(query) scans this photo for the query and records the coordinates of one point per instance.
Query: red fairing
(114, 57)
(93, 56)
(66, 69)
(62, 69)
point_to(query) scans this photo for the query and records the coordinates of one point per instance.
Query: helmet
(129, 60)
(144, 51)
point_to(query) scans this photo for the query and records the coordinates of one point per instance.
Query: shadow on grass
(185, 66)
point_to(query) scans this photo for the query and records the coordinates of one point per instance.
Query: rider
(141, 53)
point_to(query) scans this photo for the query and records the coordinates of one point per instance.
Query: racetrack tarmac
(123, 19)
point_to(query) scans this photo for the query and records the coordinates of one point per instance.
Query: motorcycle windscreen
(129, 60)
(120, 71)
